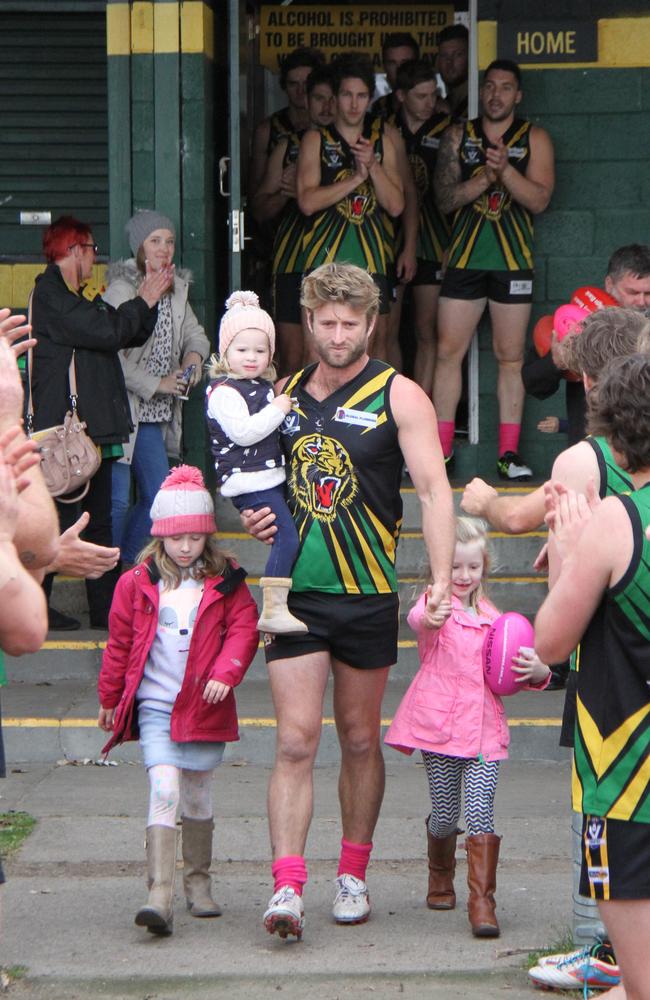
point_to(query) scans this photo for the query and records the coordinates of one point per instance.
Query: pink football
(504, 637)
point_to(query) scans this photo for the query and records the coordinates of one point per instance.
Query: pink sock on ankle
(354, 859)
(508, 437)
(289, 870)
(446, 430)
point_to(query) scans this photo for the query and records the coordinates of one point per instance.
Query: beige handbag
(69, 458)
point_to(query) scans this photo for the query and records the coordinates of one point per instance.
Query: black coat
(63, 321)
(542, 378)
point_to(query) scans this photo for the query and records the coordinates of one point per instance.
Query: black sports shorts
(357, 629)
(615, 859)
(511, 287)
(429, 272)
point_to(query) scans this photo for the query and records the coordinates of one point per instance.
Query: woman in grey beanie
(153, 376)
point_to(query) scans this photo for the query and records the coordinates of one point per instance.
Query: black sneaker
(511, 467)
(58, 622)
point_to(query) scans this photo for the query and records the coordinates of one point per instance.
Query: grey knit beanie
(143, 224)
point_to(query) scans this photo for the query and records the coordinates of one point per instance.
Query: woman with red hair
(72, 322)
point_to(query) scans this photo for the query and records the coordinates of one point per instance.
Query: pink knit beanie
(182, 504)
(243, 313)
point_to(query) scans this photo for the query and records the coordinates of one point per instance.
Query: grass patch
(563, 943)
(14, 828)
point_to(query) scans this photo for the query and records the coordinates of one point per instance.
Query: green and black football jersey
(356, 230)
(612, 742)
(343, 477)
(495, 232)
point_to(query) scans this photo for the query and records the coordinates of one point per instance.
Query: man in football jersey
(350, 186)
(494, 173)
(355, 421)
(422, 124)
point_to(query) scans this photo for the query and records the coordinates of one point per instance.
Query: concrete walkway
(76, 884)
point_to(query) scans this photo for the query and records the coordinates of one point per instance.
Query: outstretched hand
(20, 453)
(567, 513)
(11, 388)
(12, 329)
(84, 559)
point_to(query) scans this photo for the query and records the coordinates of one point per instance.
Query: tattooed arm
(451, 192)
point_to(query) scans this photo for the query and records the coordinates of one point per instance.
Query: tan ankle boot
(197, 858)
(482, 859)
(442, 868)
(158, 915)
(276, 617)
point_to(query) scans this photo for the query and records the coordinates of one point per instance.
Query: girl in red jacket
(182, 633)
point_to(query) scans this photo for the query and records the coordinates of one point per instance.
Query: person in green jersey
(276, 199)
(294, 70)
(494, 174)
(452, 63)
(422, 124)
(605, 335)
(350, 186)
(601, 600)
(396, 49)
(355, 422)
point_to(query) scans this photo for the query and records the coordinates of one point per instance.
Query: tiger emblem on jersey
(322, 477)
(361, 202)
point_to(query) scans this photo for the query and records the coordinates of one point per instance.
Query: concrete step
(50, 710)
(511, 593)
(228, 518)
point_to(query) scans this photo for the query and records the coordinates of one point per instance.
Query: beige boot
(482, 860)
(276, 617)
(158, 915)
(197, 858)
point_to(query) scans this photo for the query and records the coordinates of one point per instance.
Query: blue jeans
(285, 542)
(150, 465)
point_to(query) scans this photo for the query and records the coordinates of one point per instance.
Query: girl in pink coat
(460, 727)
(182, 633)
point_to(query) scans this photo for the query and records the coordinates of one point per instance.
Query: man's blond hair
(607, 334)
(344, 283)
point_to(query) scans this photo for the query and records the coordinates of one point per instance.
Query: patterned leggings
(479, 784)
(171, 786)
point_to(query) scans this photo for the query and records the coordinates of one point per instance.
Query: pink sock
(509, 437)
(354, 859)
(446, 430)
(290, 870)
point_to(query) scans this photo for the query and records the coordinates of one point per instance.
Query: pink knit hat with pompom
(182, 504)
(243, 313)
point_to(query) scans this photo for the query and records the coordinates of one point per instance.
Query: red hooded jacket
(222, 648)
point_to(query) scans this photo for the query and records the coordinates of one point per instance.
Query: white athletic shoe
(285, 913)
(593, 968)
(351, 903)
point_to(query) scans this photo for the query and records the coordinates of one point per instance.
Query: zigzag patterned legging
(479, 784)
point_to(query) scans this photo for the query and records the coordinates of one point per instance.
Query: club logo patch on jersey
(290, 425)
(333, 154)
(357, 205)
(431, 141)
(322, 477)
(494, 203)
